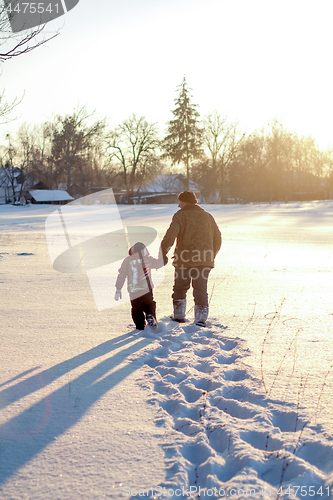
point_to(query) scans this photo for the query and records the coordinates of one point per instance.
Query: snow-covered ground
(92, 409)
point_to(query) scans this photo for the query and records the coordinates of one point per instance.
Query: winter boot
(201, 315)
(179, 310)
(151, 321)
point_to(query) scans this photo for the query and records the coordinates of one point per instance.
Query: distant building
(11, 180)
(50, 196)
(75, 190)
(165, 188)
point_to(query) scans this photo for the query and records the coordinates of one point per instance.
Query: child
(137, 269)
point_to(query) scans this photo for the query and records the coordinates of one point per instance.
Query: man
(198, 241)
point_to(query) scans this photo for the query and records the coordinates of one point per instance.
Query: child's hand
(117, 295)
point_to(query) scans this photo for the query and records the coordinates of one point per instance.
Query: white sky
(252, 60)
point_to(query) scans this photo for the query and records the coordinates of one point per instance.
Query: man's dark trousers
(198, 276)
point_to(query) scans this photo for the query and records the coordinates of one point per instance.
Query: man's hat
(188, 197)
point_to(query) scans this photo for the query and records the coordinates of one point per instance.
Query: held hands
(117, 295)
(163, 256)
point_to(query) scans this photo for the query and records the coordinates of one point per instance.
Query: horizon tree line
(266, 165)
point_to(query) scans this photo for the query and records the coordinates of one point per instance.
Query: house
(53, 196)
(18, 187)
(11, 180)
(165, 188)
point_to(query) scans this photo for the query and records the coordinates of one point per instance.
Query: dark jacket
(138, 274)
(198, 237)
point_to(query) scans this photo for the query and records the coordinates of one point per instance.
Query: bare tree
(73, 141)
(279, 148)
(7, 108)
(248, 173)
(34, 146)
(328, 176)
(322, 168)
(221, 140)
(18, 158)
(133, 145)
(68, 149)
(15, 44)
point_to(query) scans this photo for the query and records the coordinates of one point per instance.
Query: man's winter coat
(198, 237)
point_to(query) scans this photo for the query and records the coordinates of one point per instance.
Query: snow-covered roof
(44, 195)
(168, 184)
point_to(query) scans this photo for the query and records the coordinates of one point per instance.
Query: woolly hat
(138, 247)
(188, 197)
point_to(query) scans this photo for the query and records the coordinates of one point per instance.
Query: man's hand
(117, 295)
(163, 255)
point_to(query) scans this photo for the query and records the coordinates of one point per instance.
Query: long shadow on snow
(27, 434)
(35, 382)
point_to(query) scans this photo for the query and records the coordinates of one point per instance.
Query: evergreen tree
(184, 139)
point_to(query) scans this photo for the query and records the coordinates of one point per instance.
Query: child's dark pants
(141, 307)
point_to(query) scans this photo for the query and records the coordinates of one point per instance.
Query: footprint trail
(224, 437)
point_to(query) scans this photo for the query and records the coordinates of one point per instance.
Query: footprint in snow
(165, 388)
(190, 392)
(205, 353)
(171, 374)
(188, 427)
(234, 408)
(243, 394)
(196, 453)
(235, 375)
(263, 440)
(172, 406)
(206, 384)
(226, 360)
(200, 340)
(319, 455)
(219, 439)
(205, 367)
(288, 421)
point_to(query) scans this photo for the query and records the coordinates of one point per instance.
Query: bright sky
(254, 60)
